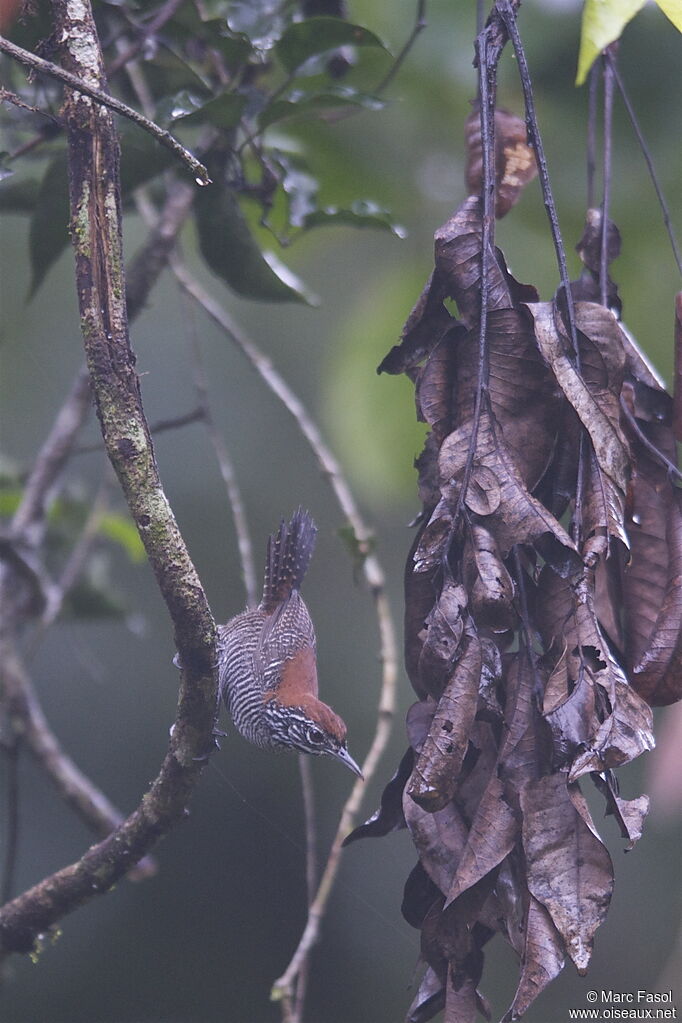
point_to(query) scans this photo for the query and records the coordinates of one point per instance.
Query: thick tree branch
(87, 88)
(96, 230)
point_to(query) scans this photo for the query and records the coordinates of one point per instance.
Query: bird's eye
(315, 735)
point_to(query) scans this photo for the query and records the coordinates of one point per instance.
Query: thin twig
(591, 134)
(311, 871)
(606, 181)
(508, 15)
(419, 26)
(36, 63)
(76, 561)
(77, 791)
(375, 578)
(11, 752)
(160, 426)
(7, 96)
(226, 467)
(30, 515)
(164, 14)
(648, 159)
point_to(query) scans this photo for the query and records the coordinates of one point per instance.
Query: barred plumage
(267, 657)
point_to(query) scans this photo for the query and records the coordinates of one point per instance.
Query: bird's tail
(289, 552)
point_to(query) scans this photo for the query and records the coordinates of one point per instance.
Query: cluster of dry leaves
(543, 602)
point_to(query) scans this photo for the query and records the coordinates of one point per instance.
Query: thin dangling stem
(592, 134)
(606, 201)
(508, 16)
(647, 159)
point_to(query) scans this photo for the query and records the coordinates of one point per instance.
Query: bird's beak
(344, 756)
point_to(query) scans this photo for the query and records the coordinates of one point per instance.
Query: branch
(96, 223)
(30, 515)
(36, 63)
(77, 791)
(374, 575)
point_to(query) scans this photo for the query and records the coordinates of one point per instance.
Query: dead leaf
(515, 164)
(569, 869)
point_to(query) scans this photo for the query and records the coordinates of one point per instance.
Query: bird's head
(309, 727)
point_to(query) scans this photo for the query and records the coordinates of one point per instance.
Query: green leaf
(94, 595)
(260, 21)
(232, 253)
(673, 10)
(603, 23)
(142, 158)
(309, 38)
(122, 531)
(361, 213)
(10, 501)
(48, 232)
(223, 111)
(298, 103)
(19, 196)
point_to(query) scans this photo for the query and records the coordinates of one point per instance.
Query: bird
(267, 661)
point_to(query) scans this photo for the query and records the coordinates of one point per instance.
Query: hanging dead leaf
(519, 518)
(491, 837)
(487, 580)
(569, 869)
(438, 767)
(445, 627)
(458, 245)
(523, 395)
(425, 326)
(515, 164)
(389, 817)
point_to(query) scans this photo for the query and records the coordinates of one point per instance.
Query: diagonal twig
(36, 63)
(373, 572)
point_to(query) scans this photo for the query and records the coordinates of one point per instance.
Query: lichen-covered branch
(96, 234)
(87, 87)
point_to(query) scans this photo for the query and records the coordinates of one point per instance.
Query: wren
(267, 663)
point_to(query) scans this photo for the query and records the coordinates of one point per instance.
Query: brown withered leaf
(519, 518)
(622, 736)
(522, 391)
(489, 708)
(657, 675)
(522, 750)
(487, 580)
(589, 246)
(542, 958)
(647, 575)
(458, 245)
(389, 817)
(419, 895)
(569, 869)
(438, 838)
(572, 717)
(629, 813)
(461, 1004)
(425, 326)
(418, 722)
(603, 513)
(491, 837)
(438, 767)
(420, 596)
(515, 164)
(596, 403)
(434, 384)
(445, 627)
(592, 709)
(427, 465)
(429, 1000)
(434, 539)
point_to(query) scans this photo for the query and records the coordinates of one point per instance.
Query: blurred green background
(203, 940)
